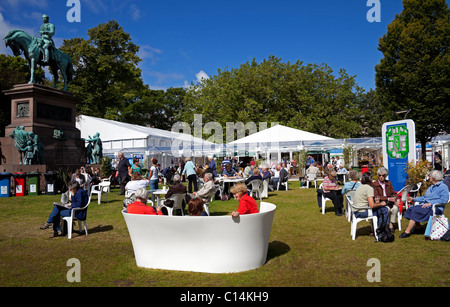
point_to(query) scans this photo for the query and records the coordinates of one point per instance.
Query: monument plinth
(50, 114)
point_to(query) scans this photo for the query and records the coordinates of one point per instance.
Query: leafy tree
(106, 75)
(13, 70)
(415, 71)
(155, 108)
(309, 97)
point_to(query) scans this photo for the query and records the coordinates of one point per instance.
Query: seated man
(207, 189)
(79, 199)
(229, 173)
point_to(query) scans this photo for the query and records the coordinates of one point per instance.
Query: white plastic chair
(177, 203)
(265, 190)
(285, 182)
(257, 188)
(70, 219)
(356, 220)
(349, 196)
(310, 178)
(324, 199)
(102, 187)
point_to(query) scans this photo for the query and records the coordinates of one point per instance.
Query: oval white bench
(211, 244)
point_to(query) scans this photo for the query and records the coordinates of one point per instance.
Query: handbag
(384, 233)
(439, 227)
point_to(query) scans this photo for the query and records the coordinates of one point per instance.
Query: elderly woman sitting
(247, 205)
(140, 205)
(436, 194)
(384, 191)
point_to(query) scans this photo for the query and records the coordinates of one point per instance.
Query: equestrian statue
(41, 51)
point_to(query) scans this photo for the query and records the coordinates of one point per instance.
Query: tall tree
(106, 73)
(308, 97)
(155, 108)
(415, 70)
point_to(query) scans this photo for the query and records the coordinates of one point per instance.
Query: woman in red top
(140, 207)
(247, 205)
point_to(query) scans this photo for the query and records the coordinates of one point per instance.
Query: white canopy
(277, 137)
(117, 136)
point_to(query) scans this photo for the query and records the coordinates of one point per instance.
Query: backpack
(384, 232)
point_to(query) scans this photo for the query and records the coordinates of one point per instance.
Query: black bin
(50, 183)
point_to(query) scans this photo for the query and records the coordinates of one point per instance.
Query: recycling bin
(365, 168)
(33, 183)
(5, 184)
(50, 183)
(19, 183)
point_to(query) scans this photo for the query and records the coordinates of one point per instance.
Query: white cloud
(148, 52)
(201, 75)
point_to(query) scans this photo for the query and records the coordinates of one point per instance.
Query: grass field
(307, 249)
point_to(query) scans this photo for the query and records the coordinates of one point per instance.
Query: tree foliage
(415, 70)
(308, 97)
(106, 73)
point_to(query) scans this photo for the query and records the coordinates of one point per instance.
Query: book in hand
(67, 206)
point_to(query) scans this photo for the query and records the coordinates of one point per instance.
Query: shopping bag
(439, 227)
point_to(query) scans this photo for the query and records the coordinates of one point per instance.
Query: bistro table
(158, 194)
(230, 181)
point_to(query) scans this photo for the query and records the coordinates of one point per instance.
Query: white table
(158, 194)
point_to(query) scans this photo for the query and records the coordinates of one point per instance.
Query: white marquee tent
(275, 140)
(141, 141)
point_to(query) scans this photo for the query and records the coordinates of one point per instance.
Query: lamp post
(403, 111)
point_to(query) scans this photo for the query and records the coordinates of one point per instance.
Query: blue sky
(182, 41)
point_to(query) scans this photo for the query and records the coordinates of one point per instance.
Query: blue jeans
(56, 215)
(382, 213)
(153, 187)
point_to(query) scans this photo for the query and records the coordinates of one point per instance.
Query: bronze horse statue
(19, 41)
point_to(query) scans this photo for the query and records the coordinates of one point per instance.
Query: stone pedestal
(43, 110)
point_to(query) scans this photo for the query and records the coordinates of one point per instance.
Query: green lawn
(306, 249)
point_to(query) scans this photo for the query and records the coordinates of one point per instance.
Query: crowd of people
(381, 198)
(378, 195)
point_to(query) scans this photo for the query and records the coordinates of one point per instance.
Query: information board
(399, 148)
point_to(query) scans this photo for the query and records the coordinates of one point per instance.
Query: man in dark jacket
(79, 199)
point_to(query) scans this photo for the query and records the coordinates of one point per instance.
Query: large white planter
(212, 244)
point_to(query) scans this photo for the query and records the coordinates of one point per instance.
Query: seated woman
(353, 182)
(140, 205)
(436, 194)
(195, 207)
(364, 198)
(176, 188)
(247, 205)
(136, 183)
(332, 191)
(384, 190)
(79, 199)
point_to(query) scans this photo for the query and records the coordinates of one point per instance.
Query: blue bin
(5, 184)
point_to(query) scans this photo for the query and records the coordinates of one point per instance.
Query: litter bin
(365, 168)
(50, 183)
(19, 183)
(5, 184)
(33, 183)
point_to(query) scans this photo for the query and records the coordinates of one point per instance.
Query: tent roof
(280, 134)
(111, 130)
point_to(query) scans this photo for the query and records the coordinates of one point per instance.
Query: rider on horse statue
(47, 31)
